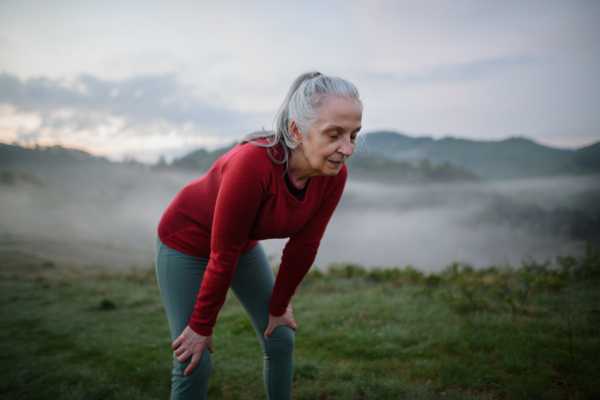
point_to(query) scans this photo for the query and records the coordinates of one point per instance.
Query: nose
(346, 148)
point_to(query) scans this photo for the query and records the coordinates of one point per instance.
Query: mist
(108, 217)
(430, 226)
(92, 216)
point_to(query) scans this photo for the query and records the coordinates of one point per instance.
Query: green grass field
(531, 332)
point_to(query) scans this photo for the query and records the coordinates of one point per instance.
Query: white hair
(308, 91)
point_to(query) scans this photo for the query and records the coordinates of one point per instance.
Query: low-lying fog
(110, 217)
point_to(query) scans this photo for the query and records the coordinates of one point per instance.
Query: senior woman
(279, 185)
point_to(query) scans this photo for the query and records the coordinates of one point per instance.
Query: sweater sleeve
(300, 251)
(243, 184)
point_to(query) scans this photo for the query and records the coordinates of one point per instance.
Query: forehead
(339, 109)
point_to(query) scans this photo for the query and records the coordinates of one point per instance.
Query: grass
(500, 333)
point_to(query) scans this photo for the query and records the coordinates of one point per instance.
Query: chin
(333, 171)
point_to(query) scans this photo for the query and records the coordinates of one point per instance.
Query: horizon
(185, 152)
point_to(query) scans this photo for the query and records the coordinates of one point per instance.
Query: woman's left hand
(286, 319)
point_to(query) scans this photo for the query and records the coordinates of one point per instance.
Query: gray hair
(308, 91)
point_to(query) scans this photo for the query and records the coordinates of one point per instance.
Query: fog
(109, 216)
(430, 226)
(97, 216)
(580, 193)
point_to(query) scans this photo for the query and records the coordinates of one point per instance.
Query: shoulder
(248, 162)
(248, 155)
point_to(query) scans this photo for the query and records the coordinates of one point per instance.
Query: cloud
(138, 99)
(140, 116)
(457, 73)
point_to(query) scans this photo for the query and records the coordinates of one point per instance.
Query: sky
(141, 79)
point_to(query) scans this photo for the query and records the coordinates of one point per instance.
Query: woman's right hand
(190, 343)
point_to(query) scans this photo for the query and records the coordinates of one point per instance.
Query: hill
(200, 160)
(388, 156)
(506, 159)
(361, 165)
(383, 169)
(64, 168)
(23, 158)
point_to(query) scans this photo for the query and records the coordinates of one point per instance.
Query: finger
(268, 332)
(192, 365)
(293, 325)
(177, 343)
(186, 354)
(180, 350)
(211, 347)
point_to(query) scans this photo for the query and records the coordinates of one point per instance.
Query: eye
(352, 138)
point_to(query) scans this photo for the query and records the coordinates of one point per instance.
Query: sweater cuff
(277, 310)
(200, 330)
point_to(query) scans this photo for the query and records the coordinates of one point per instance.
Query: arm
(243, 183)
(241, 190)
(301, 250)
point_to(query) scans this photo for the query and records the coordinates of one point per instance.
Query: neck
(299, 167)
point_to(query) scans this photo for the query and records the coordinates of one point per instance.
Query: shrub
(107, 305)
(346, 270)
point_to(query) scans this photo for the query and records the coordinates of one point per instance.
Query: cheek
(318, 151)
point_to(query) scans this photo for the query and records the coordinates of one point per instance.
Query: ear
(296, 135)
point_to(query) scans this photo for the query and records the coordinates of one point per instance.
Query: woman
(285, 184)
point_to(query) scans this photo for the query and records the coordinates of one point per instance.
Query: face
(328, 143)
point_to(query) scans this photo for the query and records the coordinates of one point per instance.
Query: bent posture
(279, 185)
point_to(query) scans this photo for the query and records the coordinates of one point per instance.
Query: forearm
(211, 297)
(291, 273)
(301, 250)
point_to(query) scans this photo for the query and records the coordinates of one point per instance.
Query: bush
(346, 270)
(107, 305)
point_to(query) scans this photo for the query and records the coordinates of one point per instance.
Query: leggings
(179, 279)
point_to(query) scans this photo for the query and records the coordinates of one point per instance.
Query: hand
(189, 343)
(285, 319)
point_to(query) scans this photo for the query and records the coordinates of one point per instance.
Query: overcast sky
(144, 78)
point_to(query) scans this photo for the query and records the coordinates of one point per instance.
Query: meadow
(530, 331)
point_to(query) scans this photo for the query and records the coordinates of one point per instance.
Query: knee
(204, 364)
(281, 342)
(200, 373)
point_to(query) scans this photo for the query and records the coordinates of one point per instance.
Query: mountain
(201, 159)
(589, 157)
(383, 156)
(380, 168)
(361, 166)
(506, 159)
(18, 158)
(61, 167)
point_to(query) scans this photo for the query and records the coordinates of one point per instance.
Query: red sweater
(243, 199)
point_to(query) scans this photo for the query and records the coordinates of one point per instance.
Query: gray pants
(179, 279)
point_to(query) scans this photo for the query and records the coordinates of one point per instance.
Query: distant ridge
(506, 159)
(14, 157)
(386, 155)
(200, 159)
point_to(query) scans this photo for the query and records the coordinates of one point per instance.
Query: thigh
(253, 285)
(179, 279)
